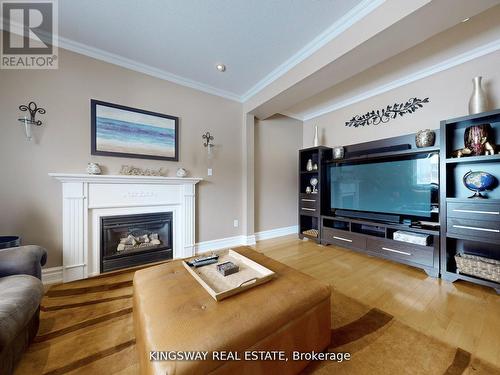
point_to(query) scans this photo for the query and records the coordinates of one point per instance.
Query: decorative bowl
(425, 138)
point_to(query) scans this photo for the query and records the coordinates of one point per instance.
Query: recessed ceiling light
(465, 19)
(220, 67)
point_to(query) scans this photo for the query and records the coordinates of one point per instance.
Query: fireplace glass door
(131, 240)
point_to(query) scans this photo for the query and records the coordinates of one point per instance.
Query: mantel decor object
(181, 172)
(93, 168)
(425, 138)
(33, 109)
(478, 101)
(128, 170)
(479, 182)
(381, 116)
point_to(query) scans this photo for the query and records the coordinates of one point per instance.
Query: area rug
(86, 328)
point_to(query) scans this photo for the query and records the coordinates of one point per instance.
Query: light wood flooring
(461, 314)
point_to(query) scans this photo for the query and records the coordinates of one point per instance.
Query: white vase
(478, 101)
(309, 165)
(316, 139)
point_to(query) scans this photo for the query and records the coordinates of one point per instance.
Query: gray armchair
(21, 292)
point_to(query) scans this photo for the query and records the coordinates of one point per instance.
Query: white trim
(423, 73)
(221, 243)
(249, 240)
(292, 115)
(346, 21)
(243, 240)
(278, 232)
(124, 62)
(350, 18)
(125, 179)
(53, 275)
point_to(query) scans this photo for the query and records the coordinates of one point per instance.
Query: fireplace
(132, 240)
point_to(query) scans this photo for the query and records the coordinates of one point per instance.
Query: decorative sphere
(479, 181)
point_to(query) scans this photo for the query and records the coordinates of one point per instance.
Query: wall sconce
(31, 121)
(207, 141)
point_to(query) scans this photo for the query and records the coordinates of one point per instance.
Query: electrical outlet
(236, 223)
(209, 171)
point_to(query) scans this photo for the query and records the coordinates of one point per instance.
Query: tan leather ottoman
(172, 312)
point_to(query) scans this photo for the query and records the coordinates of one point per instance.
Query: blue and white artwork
(123, 131)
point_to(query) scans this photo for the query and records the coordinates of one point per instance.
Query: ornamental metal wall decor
(389, 113)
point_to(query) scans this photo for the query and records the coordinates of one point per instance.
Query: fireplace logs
(131, 242)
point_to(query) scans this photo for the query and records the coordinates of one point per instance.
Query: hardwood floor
(461, 314)
(78, 317)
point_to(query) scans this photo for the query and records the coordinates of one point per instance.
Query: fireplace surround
(86, 199)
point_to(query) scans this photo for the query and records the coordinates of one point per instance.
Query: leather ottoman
(172, 312)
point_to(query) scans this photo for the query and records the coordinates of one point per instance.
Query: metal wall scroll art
(383, 115)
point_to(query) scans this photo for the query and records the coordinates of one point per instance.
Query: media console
(372, 235)
(376, 239)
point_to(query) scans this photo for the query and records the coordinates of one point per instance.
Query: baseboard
(278, 232)
(249, 240)
(243, 240)
(53, 275)
(222, 243)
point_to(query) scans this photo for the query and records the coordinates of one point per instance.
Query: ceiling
(183, 40)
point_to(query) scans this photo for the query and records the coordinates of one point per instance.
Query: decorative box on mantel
(88, 198)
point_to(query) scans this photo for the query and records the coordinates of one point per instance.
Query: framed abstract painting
(133, 133)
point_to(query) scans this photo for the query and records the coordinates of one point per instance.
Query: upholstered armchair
(21, 292)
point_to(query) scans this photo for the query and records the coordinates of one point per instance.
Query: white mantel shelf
(123, 179)
(88, 198)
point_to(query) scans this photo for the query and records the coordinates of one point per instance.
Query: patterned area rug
(86, 328)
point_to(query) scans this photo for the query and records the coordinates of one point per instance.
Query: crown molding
(124, 62)
(423, 73)
(350, 18)
(292, 115)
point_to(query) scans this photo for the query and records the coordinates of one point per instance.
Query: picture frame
(121, 131)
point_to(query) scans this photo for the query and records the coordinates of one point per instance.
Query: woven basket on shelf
(474, 265)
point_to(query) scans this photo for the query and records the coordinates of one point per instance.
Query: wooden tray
(250, 274)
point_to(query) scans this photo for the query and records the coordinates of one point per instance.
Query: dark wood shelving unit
(311, 205)
(474, 159)
(470, 226)
(383, 155)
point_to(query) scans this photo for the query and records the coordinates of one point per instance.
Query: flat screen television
(406, 186)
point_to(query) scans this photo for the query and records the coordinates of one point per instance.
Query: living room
(300, 187)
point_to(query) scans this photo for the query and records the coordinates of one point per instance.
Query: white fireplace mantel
(87, 198)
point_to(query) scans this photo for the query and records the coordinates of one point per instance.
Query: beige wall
(277, 141)
(30, 201)
(448, 92)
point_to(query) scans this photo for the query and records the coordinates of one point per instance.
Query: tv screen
(405, 186)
